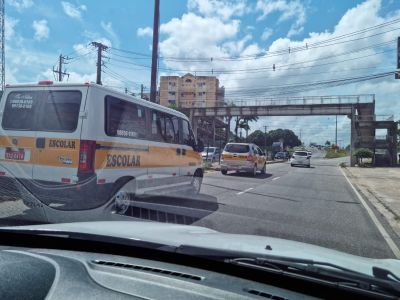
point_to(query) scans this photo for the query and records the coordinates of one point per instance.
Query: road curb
(364, 199)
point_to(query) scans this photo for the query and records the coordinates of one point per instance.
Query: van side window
(125, 119)
(163, 128)
(187, 134)
(169, 130)
(175, 122)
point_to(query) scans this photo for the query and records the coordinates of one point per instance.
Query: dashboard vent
(148, 269)
(266, 295)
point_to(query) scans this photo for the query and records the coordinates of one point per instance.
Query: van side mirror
(199, 147)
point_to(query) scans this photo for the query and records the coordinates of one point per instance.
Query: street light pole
(265, 139)
(336, 132)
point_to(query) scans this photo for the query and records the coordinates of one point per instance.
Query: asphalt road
(314, 205)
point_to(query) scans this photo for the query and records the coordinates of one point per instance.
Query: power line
(306, 47)
(262, 69)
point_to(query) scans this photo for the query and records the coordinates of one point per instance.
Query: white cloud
(42, 30)
(110, 31)
(224, 9)
(144, 31)
(20, 5)
(288, 10)
(73, 11)
(9, 25)
(191, 36)
(266, 33)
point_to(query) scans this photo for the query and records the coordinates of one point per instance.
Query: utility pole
(265, 138)
(154, 57)
(141, 91)
(100, 48)
(2, 49)
(59, 71)
(336, 132)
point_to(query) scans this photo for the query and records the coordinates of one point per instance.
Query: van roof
(109, 90)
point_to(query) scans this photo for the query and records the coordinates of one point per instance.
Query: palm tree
(243, 122)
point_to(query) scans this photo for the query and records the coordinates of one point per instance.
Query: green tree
(290, 139)
(361, 153)
(241, 120)
(258, 137)
(327, 143)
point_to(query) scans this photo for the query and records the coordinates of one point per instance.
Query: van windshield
(42, 110)
(237, 148)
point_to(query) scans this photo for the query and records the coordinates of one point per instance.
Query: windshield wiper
(382, 280)
(342, 277)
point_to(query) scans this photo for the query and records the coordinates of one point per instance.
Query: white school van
(79, 146)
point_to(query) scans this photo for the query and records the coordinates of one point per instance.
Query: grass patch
(343, 165)
(332, 154)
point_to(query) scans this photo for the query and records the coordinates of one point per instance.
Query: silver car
(300, 158)
(211, 154)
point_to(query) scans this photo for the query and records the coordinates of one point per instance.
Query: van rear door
(18, 133)
(58, 134)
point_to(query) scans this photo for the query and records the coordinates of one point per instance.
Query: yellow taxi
(244, 157)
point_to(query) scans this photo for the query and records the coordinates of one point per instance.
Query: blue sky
(38, 31)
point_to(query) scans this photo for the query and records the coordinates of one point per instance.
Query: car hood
(177, 235)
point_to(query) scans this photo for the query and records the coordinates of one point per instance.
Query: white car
(212, 155)
(300, 158)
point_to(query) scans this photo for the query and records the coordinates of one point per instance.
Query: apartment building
(191, 91)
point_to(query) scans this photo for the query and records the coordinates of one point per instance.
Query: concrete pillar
(213, 132)
(227, 130)
(352, 138)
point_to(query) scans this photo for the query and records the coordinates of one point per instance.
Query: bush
(335, 154)
(343, 165)
(363, 153)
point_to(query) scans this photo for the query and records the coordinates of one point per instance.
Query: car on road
(211, 154)
(281, 155)
(243, 157)
(300, 158)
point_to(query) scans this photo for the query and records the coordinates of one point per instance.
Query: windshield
(209, 121)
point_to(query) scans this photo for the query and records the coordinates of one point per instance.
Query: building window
(171, 93)
(188, 80)
(172, 83)
(172, 101)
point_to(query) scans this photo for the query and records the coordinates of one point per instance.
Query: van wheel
(224, 172)
(122, 201)
(197, 180)
(264, 169)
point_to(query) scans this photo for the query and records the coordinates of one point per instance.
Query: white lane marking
(382, 230)
(245, 191)
(275, 178)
